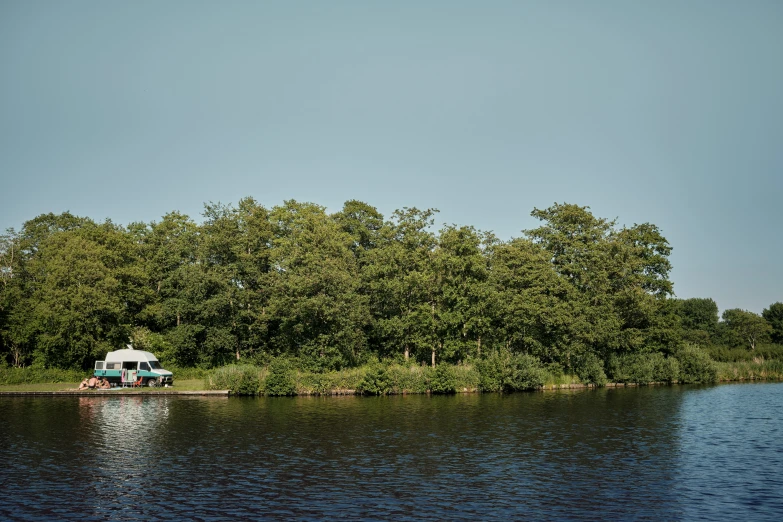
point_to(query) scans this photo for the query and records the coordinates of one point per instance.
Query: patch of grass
(183, 385)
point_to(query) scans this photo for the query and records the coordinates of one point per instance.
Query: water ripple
(642, 453)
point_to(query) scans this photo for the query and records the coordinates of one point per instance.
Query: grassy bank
(180, 385)
(500, 372)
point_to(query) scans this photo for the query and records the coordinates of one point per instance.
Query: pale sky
(668, 112)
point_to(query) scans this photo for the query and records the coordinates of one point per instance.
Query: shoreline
(332, 393)
(111, 393)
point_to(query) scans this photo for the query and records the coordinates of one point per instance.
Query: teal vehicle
(131, 367)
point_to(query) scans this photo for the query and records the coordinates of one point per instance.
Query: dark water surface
(674, 453)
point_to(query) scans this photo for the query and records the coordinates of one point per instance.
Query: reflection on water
(663, 453)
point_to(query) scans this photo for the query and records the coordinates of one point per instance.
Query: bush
(183, 374)
(442, 380)
(726, 354)
(643, 368)
(408, 378)
(696, 366)
(466, 377)
(36, 375)
(376, 381)
(280, 380)
(590, 370)
(238, 379)
(502, 371)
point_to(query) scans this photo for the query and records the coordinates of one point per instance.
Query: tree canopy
(337, 290)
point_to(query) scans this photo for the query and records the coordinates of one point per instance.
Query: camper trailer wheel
(152, 382)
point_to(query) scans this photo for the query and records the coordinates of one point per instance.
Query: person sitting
(104, 385)
(92, 383)
(83, 385)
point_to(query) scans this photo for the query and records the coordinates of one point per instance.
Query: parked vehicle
(133, 367)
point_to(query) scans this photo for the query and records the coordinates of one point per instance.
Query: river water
(674, 453)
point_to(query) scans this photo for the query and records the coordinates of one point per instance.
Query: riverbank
(113, 393)
(390, 378)
(66, 389)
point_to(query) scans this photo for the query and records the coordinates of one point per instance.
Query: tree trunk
(433, 357)
(479, 346)
(407, 352)
(179, 319)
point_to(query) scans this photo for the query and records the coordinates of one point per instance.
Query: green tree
(362, 222)
(774, 317)
(699, 320)
(399, 280)
(745, 327)
(537, 312)
(236, 250)
(320, 314)
(170, 253)
(620, 278)
(79, 313)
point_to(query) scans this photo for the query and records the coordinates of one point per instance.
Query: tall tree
(538, 311)
(79, 312)
(699, 319)
(459, 292)
(320, 315)
(399, 278)
(774, 317)
(746, 327)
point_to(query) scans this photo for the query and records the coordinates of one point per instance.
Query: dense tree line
(337, 290)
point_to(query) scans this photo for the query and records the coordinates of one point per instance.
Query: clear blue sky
(669, 112)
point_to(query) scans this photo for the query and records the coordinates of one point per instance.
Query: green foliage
(699, 314)
(238, 379)
(774, 317)
(187, 374)
(37, 375)
(331, 292)
(590, 370)
(720, 353)
(408, 378)
(643, 368)
(503, 371)
(754, 370)
(280, 380)
(442, 380)
(745, 328)
(376, 381)
(696, 366)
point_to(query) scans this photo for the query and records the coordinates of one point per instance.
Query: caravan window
(144, 366)
(129, 365)
(156, 365)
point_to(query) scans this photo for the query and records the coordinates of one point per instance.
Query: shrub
(442, 380)
(408, 378)
(280, 380)
(182, 374)
(37, 375)
(590, 370)
(238, 379)
(643, 368)
(466, 377)
(376, 381)
(726, 354)
(667, 370)
(502, 371)
(696, 366)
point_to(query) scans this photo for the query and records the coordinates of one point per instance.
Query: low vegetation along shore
(498, 372)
